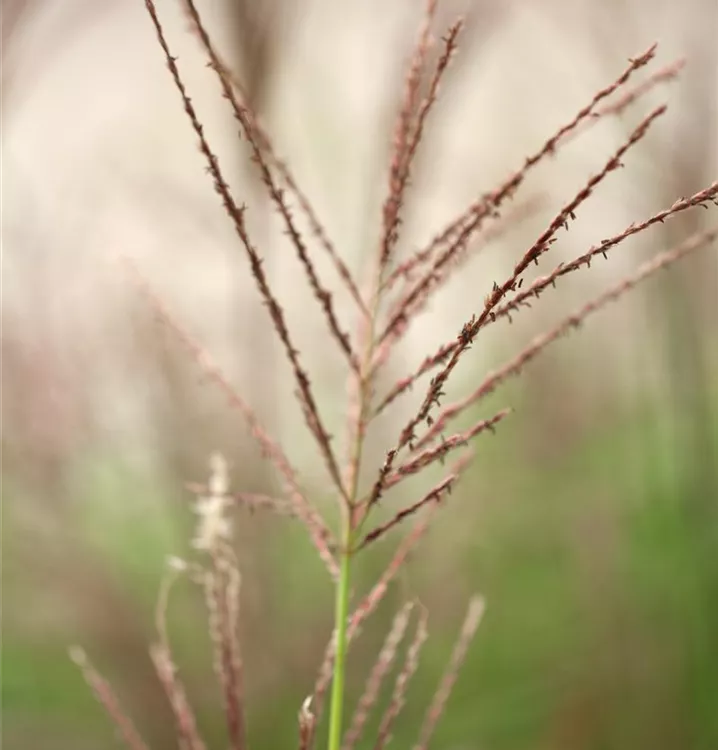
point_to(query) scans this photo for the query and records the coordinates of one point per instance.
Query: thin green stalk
(341, 611)
(341, 618)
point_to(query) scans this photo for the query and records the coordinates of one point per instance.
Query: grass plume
(399, 286)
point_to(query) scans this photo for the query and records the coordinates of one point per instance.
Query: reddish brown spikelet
(306, 397)
(583, 120)
(398, 698)
(108, 700)
(318, 531)
(407, 545)
(441, 697)
(471, 328)
(399, 168)
(247, 122)
(541, 245)
(700, 198)
(407, 269)
(470, 220)
(567, 212)
(434, 495)
(404, 384)
(571, 322)
(413, 82)
(376, 677)
(379, 484)
(509, 187)
(450, 44)
(264, 142)
(663, 75)
(429, 280)
(439, 453)
(407, 312)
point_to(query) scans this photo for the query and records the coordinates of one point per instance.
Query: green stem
(341, 618)
(341, 611)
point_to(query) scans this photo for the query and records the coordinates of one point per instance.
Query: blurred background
(589, 521)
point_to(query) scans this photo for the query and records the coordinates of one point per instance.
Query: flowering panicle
(400, 286)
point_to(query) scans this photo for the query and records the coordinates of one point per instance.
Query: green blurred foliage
(599, 572)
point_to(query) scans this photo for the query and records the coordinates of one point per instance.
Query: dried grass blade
(184, 716)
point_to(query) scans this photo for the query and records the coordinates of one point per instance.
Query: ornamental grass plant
(396, 286)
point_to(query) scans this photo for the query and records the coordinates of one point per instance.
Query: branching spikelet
(399, 289)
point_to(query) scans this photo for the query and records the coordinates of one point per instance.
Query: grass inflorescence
(399, 286)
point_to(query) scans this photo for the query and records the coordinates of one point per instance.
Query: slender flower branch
(474, 615)
(566, 325)
(521, 299)
(462, 228)
(319, 533)
(400, 163)
(398, 698)
(280, 165)
(374, 682)
(471, 328)
(247, 122)
(236, 214)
